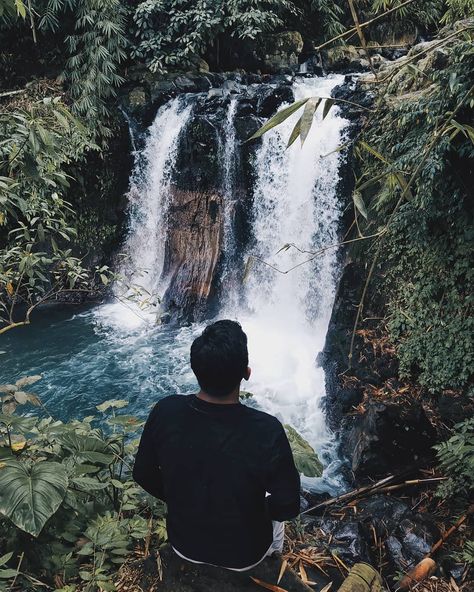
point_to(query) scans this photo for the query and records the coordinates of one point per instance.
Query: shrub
(68, 505)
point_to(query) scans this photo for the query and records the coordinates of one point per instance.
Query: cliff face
(193, 249)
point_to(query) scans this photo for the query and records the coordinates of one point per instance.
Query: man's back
(213, 464)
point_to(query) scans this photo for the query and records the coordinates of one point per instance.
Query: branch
(314, 253)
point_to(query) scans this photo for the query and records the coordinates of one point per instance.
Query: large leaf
(307, 117)
(30, 495)
(306, 459)
(86, 448)
(278, 118)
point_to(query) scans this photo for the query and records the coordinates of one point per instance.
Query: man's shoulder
(168, 404)
(263, 419)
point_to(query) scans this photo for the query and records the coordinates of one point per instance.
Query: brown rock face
(193, 248)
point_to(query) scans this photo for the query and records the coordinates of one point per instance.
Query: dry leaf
(303, 574)
(283, 567)
(268, 586)
(326, 588)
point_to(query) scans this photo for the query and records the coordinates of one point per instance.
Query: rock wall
(193, 249)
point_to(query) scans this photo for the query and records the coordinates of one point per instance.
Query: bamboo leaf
(359, 203)
(283, 567)
(372, 151)
(327, 106)
(278, 118)
(307, 117)
(268, 586)
(295, 133)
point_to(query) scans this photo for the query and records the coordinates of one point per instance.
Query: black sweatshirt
(212, 464)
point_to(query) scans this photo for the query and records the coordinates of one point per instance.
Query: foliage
(420, 14)
(306, 459)
(424, 265)
(170, 33)
(39, 143)
(458, 9)
(456, 458)
(67, 500)
(96, 50)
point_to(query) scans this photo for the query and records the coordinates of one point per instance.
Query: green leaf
(372, 151)
(30, 495)
(89, 483)
(86, 448)
(112, 403)
(328, 103)
(359, 203)
(295, 133)
(20, 8)
(5, 558)
(278, 118)
(6, 574)
(307, 117)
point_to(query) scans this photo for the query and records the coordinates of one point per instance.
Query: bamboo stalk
(450, 531)
(350, 32)
(351, 494)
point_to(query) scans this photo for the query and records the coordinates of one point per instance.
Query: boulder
(270, 99)
(137, 98)
(387, 437)
(344, 58)
(279, 51)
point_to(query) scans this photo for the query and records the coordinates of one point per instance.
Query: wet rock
(344, 58)
(407, 536)
(280, 51)
(201, 83)
(246, 127)
(185, 84)
(245, 106)
(231, 86)
(192, 251)
(388, 437)
(137, 98)
(280, 79)
(271, 98)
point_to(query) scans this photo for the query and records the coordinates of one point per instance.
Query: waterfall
(229, 155)
(148, 195)
(286, 315)
(294, 202)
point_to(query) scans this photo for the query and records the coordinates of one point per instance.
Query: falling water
(149, 194)
(286, 315)
(229, 157)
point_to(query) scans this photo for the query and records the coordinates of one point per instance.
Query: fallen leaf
(303, 574)
(268, 586)
(326, 588)
(283, 567)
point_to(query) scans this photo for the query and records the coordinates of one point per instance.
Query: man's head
(219, 358)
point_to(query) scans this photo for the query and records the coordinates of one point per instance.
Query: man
(225, 470)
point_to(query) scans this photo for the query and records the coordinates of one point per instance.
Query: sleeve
(146, 470)
(283, 481)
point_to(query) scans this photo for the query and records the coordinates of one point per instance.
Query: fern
(456, 458)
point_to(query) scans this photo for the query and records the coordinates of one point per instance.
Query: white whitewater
(148, 195)
(286, 316)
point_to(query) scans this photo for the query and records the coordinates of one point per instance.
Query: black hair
(219, 358)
